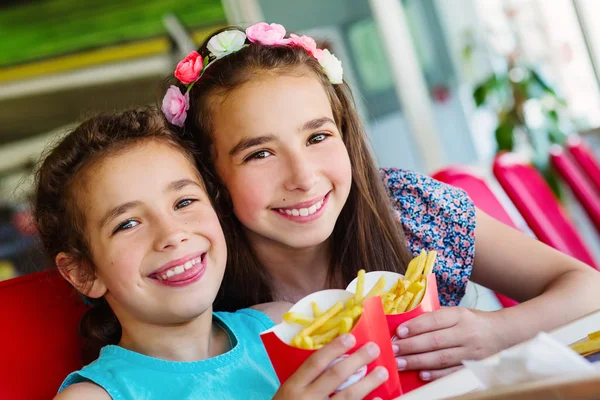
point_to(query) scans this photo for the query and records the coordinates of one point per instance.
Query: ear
(77, 274)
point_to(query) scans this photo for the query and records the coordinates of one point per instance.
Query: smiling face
(156, 242)
(282, 159)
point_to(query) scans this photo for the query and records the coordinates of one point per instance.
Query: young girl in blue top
(123, 212)
(308, 208)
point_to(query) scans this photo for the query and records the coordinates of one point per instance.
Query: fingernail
(425, 376)
(382, 373)
(372, 349)
(402, 332)
(395, 348)
(401, 364)
(348, 340)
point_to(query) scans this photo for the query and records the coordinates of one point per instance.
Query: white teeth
(303, 212)
(180, 268)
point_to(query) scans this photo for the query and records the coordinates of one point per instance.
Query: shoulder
(83, 390)
(273, 310)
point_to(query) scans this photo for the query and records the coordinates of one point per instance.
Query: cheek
(337, 163)
(251, 192)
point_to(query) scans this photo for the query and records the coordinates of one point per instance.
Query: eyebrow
(123, 208)
(251, 142)
(316, 123)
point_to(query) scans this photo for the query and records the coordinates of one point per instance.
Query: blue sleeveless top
(244, 372)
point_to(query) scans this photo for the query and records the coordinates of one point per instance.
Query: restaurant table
(463, 381)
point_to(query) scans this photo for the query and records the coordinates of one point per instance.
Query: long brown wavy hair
(60, 220)
(366, 235)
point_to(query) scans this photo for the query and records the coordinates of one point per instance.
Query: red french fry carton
(409, 380)
(371, 327)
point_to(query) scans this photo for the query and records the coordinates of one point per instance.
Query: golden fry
(416, 300)
(320, 321)
(327, 336)
(416, 287)
(377, 288)
(360, 287)
(410, 269)
(408, 296)
(402, 285)
(430, 262)
(350, 302)
(316, 310)
(594, 335)
(346, 325)
(588, 346)
(296, 318)
(419, 268)
(307, 342)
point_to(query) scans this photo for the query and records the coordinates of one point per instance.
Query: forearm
(572, 295)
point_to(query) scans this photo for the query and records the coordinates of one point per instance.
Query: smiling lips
(304, 212)
(183, 273)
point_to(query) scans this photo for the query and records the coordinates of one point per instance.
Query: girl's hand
(436, 343)
(315, 379)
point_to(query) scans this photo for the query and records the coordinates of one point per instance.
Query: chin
(305, 240)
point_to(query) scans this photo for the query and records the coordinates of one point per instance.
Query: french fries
(407, 293)
(324, 326)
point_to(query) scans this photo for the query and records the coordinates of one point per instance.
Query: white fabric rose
(225, 43)
(332, 67)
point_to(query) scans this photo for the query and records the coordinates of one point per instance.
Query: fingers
(433, 321)
(434, 360)
(341, 371)
(362, 388)
(320, 360)
(426, 342)
(438, 373)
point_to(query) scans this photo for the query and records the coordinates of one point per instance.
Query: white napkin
(541, 358)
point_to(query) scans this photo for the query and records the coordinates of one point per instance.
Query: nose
(301, 173)
(170, 234)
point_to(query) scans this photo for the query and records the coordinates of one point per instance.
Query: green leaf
(504, 135)
(205, 62)
(537, 78)
(480, 95)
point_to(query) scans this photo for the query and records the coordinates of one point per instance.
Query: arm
(83, 390)
(554, 287)
(274, 310)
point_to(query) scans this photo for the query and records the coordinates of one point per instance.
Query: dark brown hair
(59, 219)
(365, 236)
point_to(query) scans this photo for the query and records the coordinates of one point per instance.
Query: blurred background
(437, 82)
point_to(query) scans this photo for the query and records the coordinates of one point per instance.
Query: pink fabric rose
(188, 69)
(307, 43)
(175, 105)
(266, 34)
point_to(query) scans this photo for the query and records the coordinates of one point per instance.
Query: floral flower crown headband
(175, 104)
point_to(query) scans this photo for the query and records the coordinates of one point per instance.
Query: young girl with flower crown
(306, 208)
(123, 212)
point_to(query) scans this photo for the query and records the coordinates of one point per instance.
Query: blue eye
(126, 225)
(184, 203)
(318, 138)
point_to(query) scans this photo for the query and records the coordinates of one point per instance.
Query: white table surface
(464, 381)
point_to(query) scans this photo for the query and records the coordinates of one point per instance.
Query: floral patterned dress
(438, 217)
